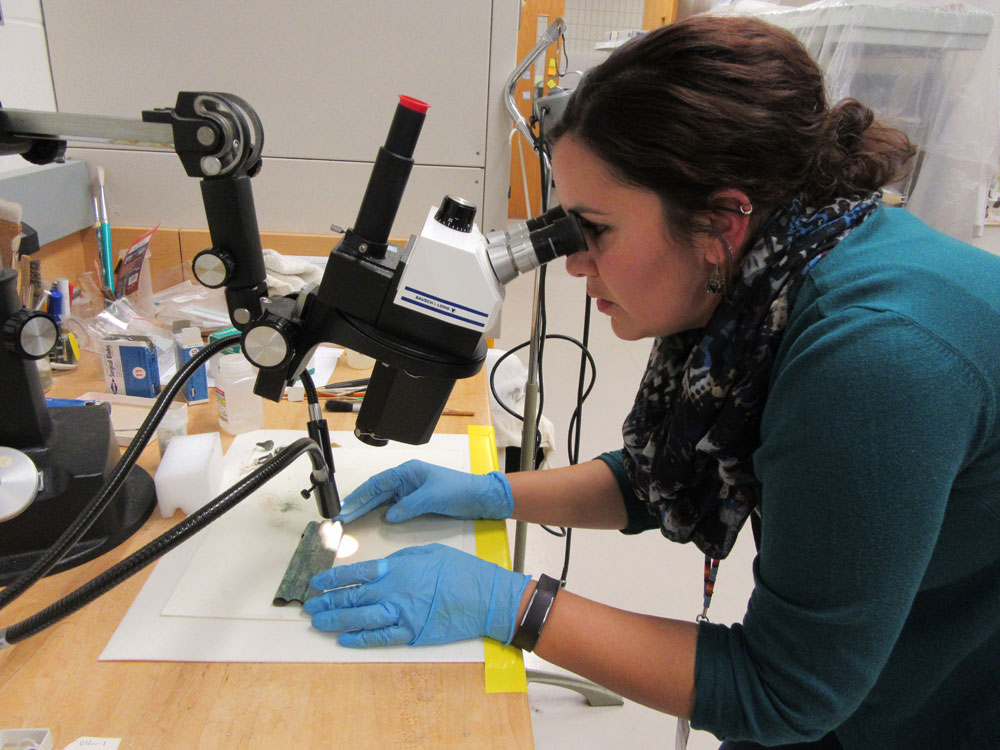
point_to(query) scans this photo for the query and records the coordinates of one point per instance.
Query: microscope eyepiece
(529, 244)
(546, 219)
(562, 237)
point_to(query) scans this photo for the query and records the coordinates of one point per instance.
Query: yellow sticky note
(552, 62)
(551, 84)
(551, 71)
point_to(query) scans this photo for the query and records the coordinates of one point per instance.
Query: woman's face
(645, 281)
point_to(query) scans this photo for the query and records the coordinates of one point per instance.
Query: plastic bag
(927, 68)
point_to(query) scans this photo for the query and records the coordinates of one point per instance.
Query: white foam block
(189, 474)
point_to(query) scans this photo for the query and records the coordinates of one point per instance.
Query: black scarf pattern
(695, 423)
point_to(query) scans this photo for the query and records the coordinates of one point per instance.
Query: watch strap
(536, 613)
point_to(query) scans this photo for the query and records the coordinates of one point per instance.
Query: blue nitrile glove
(417, 487)
(418, 596)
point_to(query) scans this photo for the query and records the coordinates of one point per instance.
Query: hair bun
(856, 154)
(850, 120)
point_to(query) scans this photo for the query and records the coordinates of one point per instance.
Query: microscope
(421, 311)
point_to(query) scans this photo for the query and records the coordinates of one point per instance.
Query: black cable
(309, 387)
(163, 543)
(511, 352)
(543, 325)
(575, 428)
(585, 356)
(544, 159)
(119, 474)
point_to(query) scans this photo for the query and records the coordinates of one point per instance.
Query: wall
(587, 22)
(25, 82)
(324, 78)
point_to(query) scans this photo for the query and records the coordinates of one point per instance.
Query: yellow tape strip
(504, 664)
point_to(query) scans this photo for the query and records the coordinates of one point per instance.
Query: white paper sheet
(209, 599)
(244, 554)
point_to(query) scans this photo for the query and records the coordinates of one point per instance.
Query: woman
(823, 363)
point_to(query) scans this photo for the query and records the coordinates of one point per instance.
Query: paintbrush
(104, 236)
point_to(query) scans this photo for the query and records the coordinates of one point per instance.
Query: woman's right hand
(415, 488)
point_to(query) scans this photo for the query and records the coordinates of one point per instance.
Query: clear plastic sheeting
(927, 68)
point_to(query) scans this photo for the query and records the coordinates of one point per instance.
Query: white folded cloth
(287, 275)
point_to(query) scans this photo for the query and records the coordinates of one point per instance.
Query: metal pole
(528, 426)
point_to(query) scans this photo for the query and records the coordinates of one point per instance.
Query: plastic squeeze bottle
(240, 409)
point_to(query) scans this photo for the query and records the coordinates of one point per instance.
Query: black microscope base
(76, 461)
(133, 505)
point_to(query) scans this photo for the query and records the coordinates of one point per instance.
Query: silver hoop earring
(716, 284)
(747, 209)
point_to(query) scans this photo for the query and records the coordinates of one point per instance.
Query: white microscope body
(448, 276)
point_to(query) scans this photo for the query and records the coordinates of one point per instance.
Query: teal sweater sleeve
(856, 479)
(639, 517)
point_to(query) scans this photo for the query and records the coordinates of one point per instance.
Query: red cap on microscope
(415, 104)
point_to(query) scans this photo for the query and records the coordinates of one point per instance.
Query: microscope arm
(218, 138)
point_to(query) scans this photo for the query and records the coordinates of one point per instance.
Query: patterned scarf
(695, 423)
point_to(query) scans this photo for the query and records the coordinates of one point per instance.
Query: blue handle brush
(104, 235)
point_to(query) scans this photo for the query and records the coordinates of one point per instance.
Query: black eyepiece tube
(389, 175)
(561, 237)
(405, 127)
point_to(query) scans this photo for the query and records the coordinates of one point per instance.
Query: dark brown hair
(713, 103)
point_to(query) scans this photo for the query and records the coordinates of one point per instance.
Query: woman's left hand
(417, 596)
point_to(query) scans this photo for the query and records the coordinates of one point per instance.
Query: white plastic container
(189, 474)
(174, 423)
(240, 409)
(26, 739)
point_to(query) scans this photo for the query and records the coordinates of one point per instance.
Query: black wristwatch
(537, 612)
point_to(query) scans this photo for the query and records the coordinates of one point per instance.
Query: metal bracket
(595, 695)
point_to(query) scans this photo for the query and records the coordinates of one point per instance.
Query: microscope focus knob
(268, 343)
(30, 334)
(213, 267)
(456, 213)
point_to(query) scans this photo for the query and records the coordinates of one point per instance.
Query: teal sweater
(876, 605)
